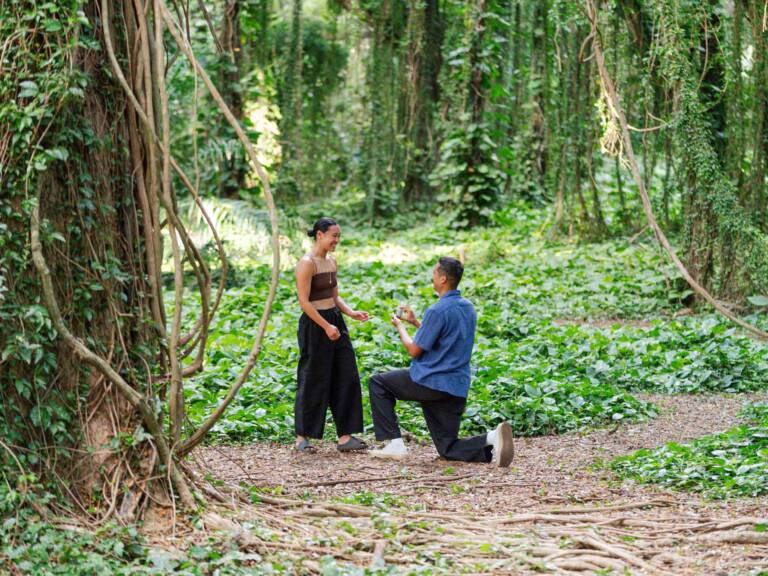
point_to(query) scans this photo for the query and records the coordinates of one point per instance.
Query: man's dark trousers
(442, 411)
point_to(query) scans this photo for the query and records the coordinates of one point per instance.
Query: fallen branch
(628, 557)
(575, 510)
(377, 560)
(737, 537)
(349, 481)
(736, 523)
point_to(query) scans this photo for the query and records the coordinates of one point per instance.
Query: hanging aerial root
(134, 398)
(199, 434)
(198, 264)
(615, 110)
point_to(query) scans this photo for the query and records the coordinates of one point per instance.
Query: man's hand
(332, 332)
(409, 316)
(360, 316)
(396, 322)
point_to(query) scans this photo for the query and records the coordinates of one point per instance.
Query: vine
(741, 246)
(612, 108)
(96, 239)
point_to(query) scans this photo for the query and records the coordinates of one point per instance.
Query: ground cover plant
(31, 546)
(131, 131)
(732, 463)
(566, 331)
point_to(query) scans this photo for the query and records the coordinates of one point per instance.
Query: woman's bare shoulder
(305, 262)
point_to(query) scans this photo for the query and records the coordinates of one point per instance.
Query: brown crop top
(323, 283)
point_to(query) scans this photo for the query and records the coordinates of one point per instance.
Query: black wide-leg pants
(442, 411)
(327, 376)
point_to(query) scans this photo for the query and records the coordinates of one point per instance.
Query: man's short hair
(453, 270)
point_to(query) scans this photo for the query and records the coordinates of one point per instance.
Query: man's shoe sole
(506, 445)
(376, 454)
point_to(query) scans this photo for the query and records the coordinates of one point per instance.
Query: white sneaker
(503, 446)
(394, 450)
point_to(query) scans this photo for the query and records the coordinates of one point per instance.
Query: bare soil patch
(602, 322)
(555, 496)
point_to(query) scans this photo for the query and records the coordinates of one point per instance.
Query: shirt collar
(450, 294)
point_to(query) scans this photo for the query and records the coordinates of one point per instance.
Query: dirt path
(552, 473)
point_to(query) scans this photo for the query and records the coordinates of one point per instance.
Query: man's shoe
(503, 446)
(394, 450)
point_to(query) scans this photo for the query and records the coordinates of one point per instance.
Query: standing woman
(327, 372)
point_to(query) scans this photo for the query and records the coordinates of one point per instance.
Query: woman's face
(329, 239)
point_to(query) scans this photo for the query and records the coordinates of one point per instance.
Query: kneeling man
(438, 378)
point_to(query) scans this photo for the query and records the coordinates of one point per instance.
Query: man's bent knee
(375, 383)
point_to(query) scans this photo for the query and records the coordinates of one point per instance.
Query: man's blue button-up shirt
(446, 336)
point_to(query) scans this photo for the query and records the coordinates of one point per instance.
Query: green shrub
(732, 463)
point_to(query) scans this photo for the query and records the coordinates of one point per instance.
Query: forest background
(141, 304)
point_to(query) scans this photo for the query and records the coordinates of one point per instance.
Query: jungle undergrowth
(559, 346)
(729, 464)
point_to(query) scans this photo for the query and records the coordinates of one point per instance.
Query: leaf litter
(557, 510)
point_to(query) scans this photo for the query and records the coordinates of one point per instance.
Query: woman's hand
(332, 332)
(357, 315)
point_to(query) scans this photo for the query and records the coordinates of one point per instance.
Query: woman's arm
(304, 271)
(345, 309)
(340, 304)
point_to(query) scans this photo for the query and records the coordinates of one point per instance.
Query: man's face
(437, 278)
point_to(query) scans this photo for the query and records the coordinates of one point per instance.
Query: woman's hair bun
(321, 225)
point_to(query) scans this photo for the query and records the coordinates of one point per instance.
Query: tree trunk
(291, 106)
(514, 79)
(423, 63)
(475, 106)
(578, 135)
(540, 73)
(381, 168)
(757, 183)
(722, 241)
(233, 168)
(734, 107)
(599, 227)
(91, 186)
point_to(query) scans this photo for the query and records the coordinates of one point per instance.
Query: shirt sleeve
(427, 335)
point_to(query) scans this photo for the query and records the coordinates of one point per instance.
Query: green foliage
(469, 174)
(692, 356)
(382, 500)
(557, 347)
(732, 463)
(323, 61)
(470, 187)
(63, 146)
(30, 545)
(716, 219)
(40, 93)
(529, 369)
